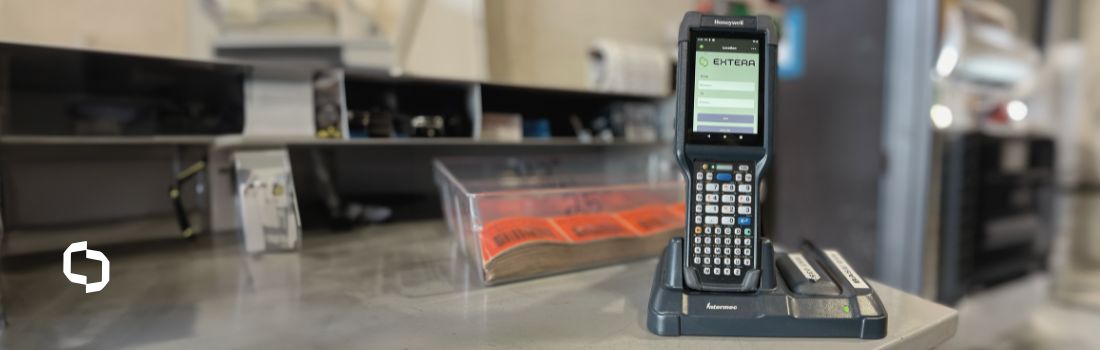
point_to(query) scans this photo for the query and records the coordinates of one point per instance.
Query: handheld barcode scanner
(725, 84)
(722, 278)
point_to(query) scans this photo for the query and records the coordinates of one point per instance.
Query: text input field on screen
(726, 85)
(726, 102)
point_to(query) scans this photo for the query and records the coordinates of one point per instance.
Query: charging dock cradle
(845, 307)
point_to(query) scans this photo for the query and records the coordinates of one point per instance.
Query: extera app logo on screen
(734, 62)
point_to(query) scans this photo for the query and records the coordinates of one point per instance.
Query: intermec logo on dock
(731, 23)
(721, 307)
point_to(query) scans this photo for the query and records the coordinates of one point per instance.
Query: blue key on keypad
(723, 177)
(744, 220)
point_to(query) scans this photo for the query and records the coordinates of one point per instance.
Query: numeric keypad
(723, 219)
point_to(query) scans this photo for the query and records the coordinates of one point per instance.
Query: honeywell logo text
(729, 22)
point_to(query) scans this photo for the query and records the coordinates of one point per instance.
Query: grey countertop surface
(399, 286)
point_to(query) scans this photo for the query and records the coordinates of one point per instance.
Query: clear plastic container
(477, 191)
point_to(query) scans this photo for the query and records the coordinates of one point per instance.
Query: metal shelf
(52, 140)
(274, 141)
(231, 141)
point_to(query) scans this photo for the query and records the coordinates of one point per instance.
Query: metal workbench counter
(400, 286)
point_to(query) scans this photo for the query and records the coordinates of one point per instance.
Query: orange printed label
(586, 227)
(504, 234)
(651, 219)
(500, 235)
(680, 211)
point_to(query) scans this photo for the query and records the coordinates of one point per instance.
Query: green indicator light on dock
(846, 309)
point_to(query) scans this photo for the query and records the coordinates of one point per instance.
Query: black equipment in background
(996, 218)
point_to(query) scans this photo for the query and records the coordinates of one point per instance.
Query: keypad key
(737, 272)
(727, 220)
(706, 261)
(744, 210)
(748, 177)
(747, 251)
(744, 199)
(698, 250)
(713, 220)
(723, 177)
(729, 187)
(736, 261)
(698, 186)
(726, 241)
(726, 261)
(706, 270)
(728, 209)
(736, 241)
(748, 232)
(707, 240)
(712, 187)
(711, 198)
(699, 175)
(698, 239)
(726, 271)
(698, 197)
(743, 167)
(698, 229)
(710, 176)
(728, 198)
(697, 260)
(737, 251)
(744, 220)
(711, 209)
(737, 231)
(707, 230)
(744, 188)
(726, 251)
(706, 250)
(727, 230)
(698, 219)
(738, 178)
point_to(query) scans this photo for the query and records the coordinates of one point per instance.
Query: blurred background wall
(540, 42)
(184, 28)
(103, 24)
(545, 42)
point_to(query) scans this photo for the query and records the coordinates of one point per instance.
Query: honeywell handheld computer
(724, 88)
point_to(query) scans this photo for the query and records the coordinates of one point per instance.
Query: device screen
(726, 96)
